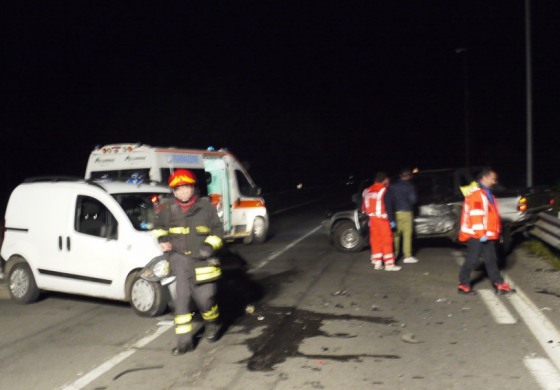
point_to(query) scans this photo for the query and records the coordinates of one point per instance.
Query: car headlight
(157, 269)
(162, 268)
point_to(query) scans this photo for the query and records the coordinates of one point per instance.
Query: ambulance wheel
(21, 284)
(347, 238)
(146, 298)
(258, 233)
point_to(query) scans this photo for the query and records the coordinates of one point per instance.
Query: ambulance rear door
(219, 190)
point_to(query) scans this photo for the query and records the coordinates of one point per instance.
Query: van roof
(113, 187)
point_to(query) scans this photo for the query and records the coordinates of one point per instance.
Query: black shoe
(182, 349)
(212, 330)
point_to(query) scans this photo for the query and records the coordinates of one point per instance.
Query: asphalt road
(300, 315)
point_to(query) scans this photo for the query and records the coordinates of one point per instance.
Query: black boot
(212, 331)
(182, 348)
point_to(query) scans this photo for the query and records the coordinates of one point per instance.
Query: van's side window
(93, 218)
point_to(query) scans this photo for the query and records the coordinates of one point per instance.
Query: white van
(228, 185)
(83, 238)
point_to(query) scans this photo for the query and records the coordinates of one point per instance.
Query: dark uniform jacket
(188, 231)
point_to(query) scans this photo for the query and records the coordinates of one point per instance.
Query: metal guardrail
(547, 229)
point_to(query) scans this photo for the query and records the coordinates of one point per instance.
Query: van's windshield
(139, 208)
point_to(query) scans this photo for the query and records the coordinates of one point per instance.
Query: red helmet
(181, 177)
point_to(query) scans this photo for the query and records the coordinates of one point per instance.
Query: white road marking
(544, 372)
(544, 331)
(109, 364)
(162, 328)
(498, 310)
(277, 253)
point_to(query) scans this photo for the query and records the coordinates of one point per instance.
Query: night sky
(301, 90)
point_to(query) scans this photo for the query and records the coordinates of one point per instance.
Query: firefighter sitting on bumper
(188, 227)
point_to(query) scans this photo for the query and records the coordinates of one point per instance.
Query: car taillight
(522, 205)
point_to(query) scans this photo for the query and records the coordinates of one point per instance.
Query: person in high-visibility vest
(188, 227)
(381, 220)
(480, 229)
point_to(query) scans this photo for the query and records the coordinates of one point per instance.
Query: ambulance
(220, 176)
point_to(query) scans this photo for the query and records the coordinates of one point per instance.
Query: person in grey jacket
(404, 197)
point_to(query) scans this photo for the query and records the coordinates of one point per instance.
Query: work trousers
(381, 240)
(188, 291)
(405, 221)
(475, 249)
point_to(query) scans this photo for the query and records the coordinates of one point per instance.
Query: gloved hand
(393, 224)
(483, 239)
(206, 251)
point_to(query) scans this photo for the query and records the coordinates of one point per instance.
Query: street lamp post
(529, 93)
(463, 51)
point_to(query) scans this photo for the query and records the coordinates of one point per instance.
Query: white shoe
(392, 267)
(410, 260)
(377, 265)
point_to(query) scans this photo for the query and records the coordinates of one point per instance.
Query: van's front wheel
(146, 298)
(258, 233)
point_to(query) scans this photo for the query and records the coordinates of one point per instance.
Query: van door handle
(59, 242)
(68, 243)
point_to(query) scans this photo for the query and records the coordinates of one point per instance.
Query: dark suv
(436, 215)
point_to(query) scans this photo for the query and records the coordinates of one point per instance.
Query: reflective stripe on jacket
(480, 217)
(187, 231)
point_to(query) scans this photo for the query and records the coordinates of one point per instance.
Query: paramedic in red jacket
(480, 229)
(381, 220)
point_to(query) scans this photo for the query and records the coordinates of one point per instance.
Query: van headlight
(157, 269)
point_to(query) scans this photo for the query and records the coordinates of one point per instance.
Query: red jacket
(480, 217)
(373, 203)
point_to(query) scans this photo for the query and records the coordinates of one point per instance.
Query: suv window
(93, 218)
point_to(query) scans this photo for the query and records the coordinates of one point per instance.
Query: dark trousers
(187, 292)
(475, 249)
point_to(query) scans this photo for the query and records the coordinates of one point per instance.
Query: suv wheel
(347, 238)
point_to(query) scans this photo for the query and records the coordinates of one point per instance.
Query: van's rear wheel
(21, 284)
(146, 298)
(258, 233)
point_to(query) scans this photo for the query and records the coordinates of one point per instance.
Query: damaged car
(438, 210)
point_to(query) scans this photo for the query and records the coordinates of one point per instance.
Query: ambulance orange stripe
(248, 203)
